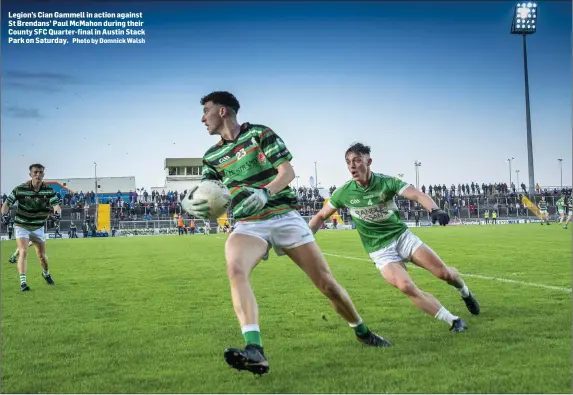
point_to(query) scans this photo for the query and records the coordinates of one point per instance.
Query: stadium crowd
(462, 201)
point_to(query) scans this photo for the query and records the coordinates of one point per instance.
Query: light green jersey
(560, 204)
(373, 210)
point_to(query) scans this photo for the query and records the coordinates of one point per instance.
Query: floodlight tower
(417, 165)
(561, 171)
(509, 161)
(315, 175)
(517, 175)
(524, 21)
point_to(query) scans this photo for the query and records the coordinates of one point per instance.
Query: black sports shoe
(458, 326)
(24, 287)
(49, 279)
(472, 304)
(252, 358)
(372, 339)
(12, 259)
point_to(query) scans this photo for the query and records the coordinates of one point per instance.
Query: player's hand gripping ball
(209, 200)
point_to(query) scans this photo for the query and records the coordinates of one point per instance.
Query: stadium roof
(182, 162)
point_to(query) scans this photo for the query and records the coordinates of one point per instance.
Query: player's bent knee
(407, 286)
(236, 271)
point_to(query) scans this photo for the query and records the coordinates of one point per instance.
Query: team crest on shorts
(262, 157)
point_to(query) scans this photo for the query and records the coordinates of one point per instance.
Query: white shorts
(32, 235)
(543, 211)
(561, 212)
(281, 232)
(400, 250)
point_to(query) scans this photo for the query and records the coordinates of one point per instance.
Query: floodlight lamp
(534, 5)
(524, 18)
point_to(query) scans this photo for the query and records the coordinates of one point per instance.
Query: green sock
(252, 334)
(253, 337)
(361, 329)
(22, 278)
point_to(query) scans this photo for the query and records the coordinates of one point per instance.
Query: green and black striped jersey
(33, 206)
(250, 161)
(542, 205)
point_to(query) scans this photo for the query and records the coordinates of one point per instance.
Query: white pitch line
(503, 280)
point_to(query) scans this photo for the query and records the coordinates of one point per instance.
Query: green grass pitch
(154, 314)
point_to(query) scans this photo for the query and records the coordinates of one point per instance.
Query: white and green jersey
(560, 204)
(373, 210)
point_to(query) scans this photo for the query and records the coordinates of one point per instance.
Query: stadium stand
(138, 209)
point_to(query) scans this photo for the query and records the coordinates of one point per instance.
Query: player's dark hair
(37, 166)
(358, 148)
(222, 98)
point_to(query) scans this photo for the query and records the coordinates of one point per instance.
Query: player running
(561, 208)
(543, 210)
(570, 209)
(254, 163)
(34, 201)
(14, 257)
(10, 228)
(369, 198)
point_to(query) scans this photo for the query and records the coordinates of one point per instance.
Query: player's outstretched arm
(5, 208)
(428, 203)
(413, 194)
(317, 221)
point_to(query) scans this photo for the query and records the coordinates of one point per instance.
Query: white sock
(445, 315)
(250, 328)
(464, 291)
(354, 325)
(46, 273)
